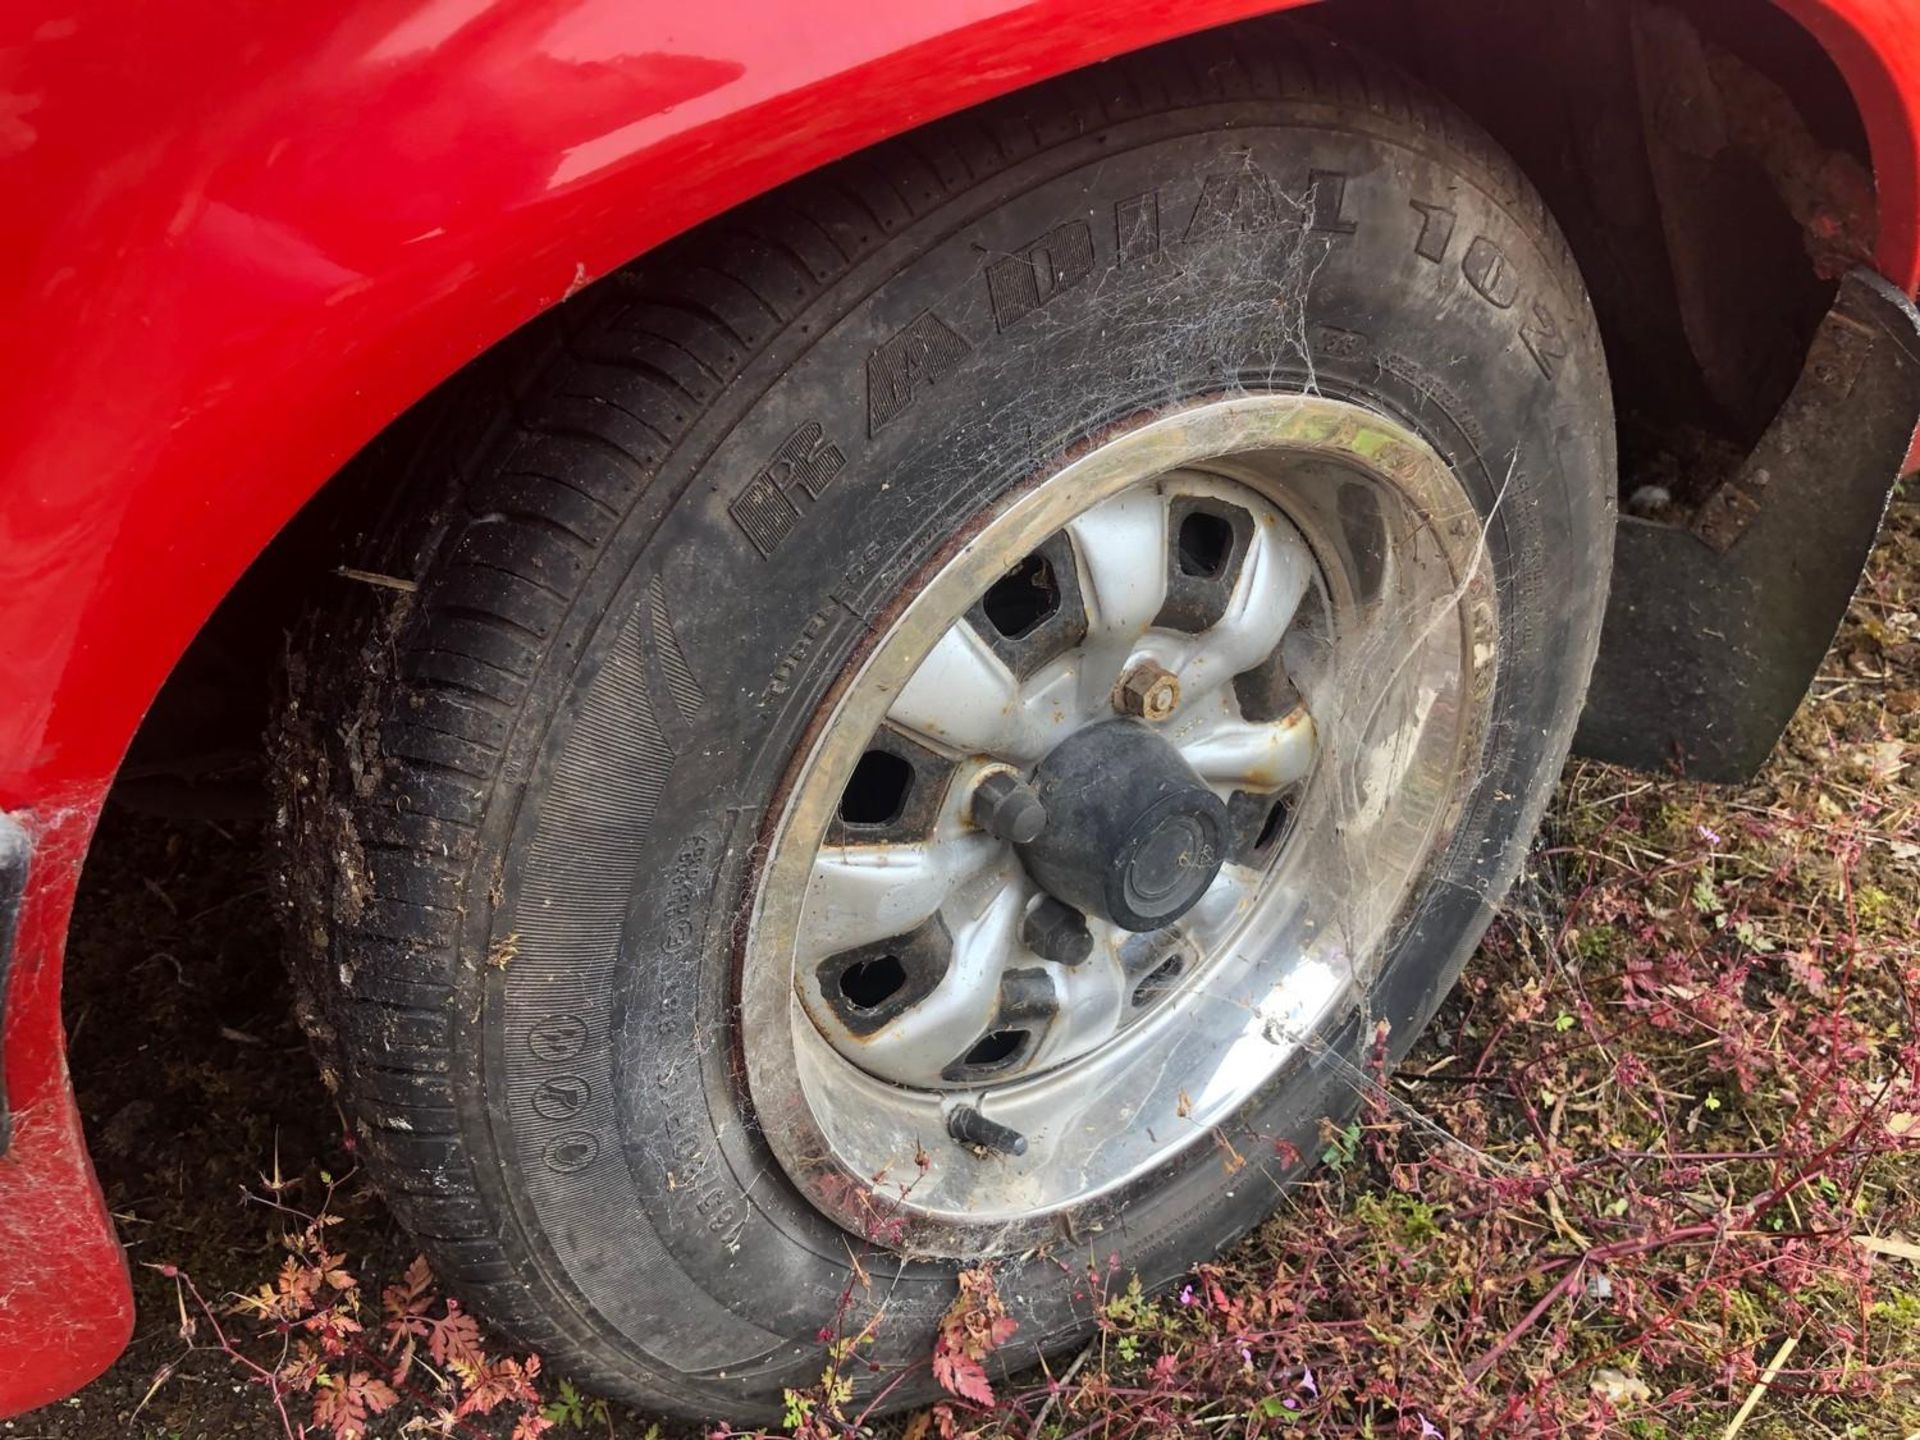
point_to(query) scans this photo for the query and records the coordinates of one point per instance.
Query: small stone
(1619, 1388)
(1649, 500)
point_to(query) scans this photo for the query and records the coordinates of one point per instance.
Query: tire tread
(593, 405)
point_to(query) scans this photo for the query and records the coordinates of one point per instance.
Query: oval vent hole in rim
(1158, 982)
(1023, 599)
(1205, 545)
(869, 984)
(995, 1049)
(876, 792)
(1275, 822)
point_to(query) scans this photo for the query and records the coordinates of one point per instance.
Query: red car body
(240, 239)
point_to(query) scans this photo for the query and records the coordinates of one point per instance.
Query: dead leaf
(1617, 1387)
(1887, 1245)
(859, 1271)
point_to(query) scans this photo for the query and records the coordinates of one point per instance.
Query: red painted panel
(240, 238)
(1876, 44)
(65, 1306)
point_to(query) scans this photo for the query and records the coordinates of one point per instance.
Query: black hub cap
(1132, 834)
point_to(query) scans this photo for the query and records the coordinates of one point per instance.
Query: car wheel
(945, 720)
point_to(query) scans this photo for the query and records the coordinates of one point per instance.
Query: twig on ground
(1761, 1385)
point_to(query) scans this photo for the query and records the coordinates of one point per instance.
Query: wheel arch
(1839, 65)
(386, 334)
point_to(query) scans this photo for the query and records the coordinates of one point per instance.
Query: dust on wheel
(929, 706)
(1235, 862)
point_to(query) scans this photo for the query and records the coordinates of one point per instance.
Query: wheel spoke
(963, 696)
(916, 1046)
(1233, 891)
(1093, 995)
(1254, 755)
(1122, 547)
(862, 893)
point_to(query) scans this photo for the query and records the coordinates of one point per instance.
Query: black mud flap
(1715, 630)
(13, 885)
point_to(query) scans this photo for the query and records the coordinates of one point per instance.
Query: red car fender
(1876, 44)
(241, 239)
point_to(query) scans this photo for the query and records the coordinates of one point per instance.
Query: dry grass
(1654, 1172)
(1664, 1136)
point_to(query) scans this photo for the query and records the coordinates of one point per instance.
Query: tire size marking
(720, 1203)
(571, 1153)
(1056, 262)
(904, 368)
(687, 886)
(781, 680)
(561, 1097)
(1492, 276)
(557, 1038)
(1136, 230)
(1243, 200)
(1329, 203)
(1338, 344)
(768, 510)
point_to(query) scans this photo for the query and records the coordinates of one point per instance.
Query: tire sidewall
(964, 358)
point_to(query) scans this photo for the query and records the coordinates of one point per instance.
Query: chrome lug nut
(1005, 805)
(1148, 691)
(1057, 932)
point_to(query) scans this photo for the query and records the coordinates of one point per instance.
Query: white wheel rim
(1362, 576)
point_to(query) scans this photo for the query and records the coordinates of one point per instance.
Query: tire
(525, 801)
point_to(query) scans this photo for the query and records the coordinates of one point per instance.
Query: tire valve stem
(970, 1127)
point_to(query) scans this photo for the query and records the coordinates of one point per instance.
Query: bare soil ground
(1654, 1172)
